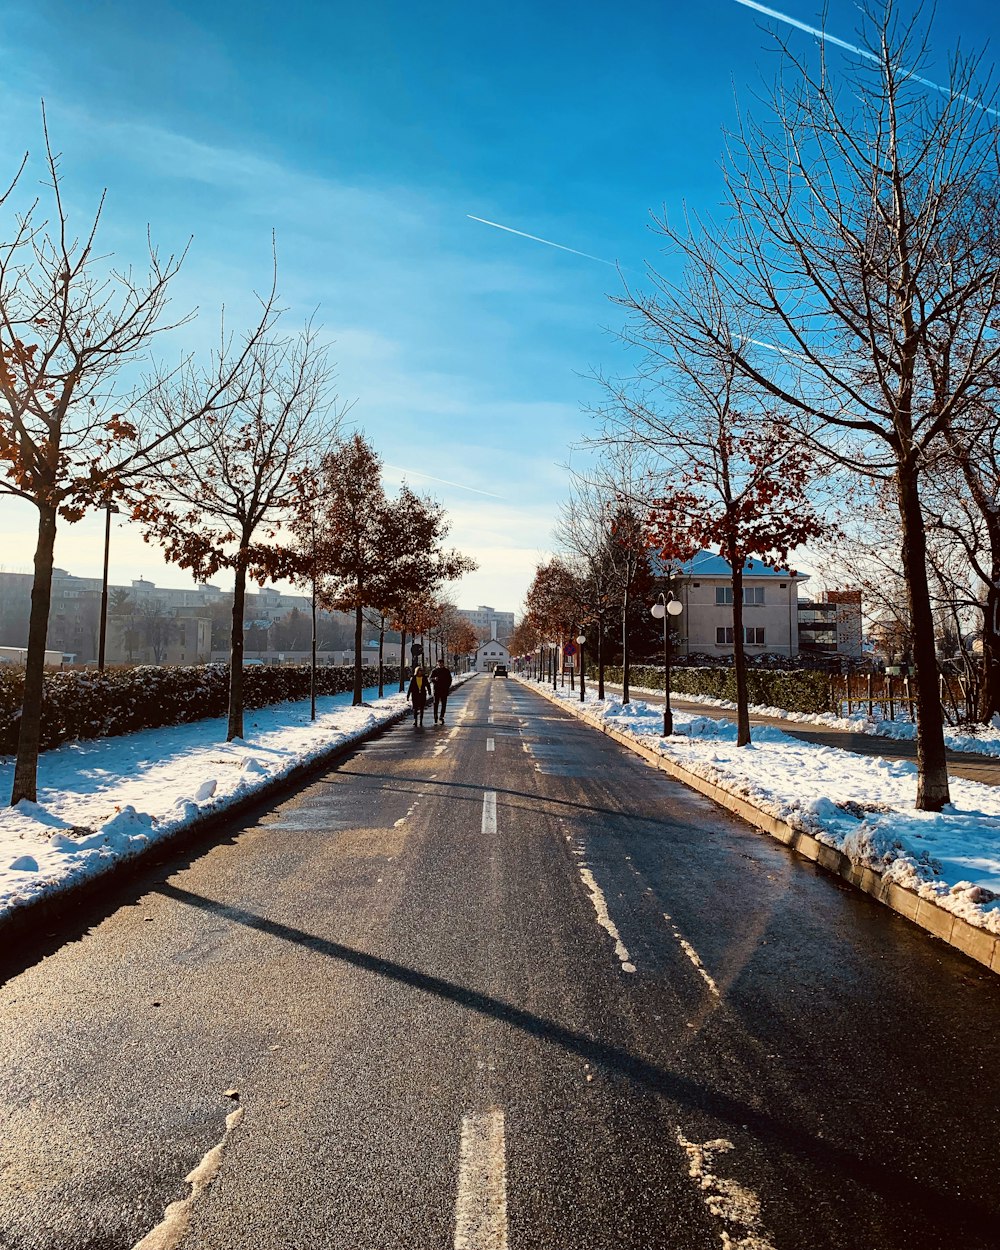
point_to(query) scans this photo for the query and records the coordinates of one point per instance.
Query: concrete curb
(978, 944)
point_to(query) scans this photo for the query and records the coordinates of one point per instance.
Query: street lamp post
(552, 653)
(103, 633)
(665, 607)
(581, 640)
(312, 662)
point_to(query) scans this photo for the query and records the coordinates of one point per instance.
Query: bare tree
(157, 627)
(582, 532)
(968, 511)
(731, 478)
(70, 326)
(234, 476)
(864, 242)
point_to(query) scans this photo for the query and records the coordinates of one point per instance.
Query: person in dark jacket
(417, 694)
(440, 685)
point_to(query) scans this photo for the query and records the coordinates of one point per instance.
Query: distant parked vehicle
(500, 670)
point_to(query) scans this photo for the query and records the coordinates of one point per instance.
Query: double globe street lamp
(581, 639)
(665, 607)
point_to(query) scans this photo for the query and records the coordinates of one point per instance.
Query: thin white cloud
(444, 481)
(535, 239)
(850, 47)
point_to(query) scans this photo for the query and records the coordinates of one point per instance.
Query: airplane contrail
(850, 47)
(535, 239)
(444, 481)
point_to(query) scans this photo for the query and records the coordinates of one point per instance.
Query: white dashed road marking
(481, 1204)
(692, 954)
(490, 744)
(604, 918)
(490, 812)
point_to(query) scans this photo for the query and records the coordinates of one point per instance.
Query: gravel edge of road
(977, 944)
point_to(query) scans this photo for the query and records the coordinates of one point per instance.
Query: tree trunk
(235, 728)
(989, 691)
(625, 655)
(358, 684)
(600, 657)
(30, 730)
(312, 661)
(402, 652)
(381, 656)
(932, 768)
(739, 654)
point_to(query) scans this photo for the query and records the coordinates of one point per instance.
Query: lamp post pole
(665, 607)
(103, 632)
(581, 640)
(552, 652)
(312, 663)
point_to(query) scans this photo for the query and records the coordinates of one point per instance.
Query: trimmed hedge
(86, 704)
(795, 690)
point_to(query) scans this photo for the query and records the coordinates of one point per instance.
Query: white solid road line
(481, 1204)
(490, 745)
(490, 812)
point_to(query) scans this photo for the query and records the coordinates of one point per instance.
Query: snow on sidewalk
(109, 799)
(861, 805)
(986, 741)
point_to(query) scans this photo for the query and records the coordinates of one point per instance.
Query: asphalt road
(496, 983)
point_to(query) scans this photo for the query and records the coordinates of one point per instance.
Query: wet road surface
(496, 983)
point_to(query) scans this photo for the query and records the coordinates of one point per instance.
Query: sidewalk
(984, 768)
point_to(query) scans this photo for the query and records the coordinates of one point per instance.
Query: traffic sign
(569, 649)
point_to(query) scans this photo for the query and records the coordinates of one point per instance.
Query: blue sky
(364, 135)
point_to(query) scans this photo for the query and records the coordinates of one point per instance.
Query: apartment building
(705, 626)
(488, 622)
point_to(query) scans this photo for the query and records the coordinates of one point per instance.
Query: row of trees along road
(849, 301)
(219, 460)
(364, 550)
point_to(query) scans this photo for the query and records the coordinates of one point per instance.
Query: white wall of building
(489, 655)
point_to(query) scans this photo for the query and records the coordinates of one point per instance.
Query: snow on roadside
(984, 742)
(862, 805)
(108, 799)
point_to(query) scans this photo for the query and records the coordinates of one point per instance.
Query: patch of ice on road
(726, 1199)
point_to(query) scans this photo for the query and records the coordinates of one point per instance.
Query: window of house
(724, 636)
(753, 635)
(751, 594)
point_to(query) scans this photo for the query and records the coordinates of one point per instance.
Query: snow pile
(861, 805)
(986, 741)
(103, 800)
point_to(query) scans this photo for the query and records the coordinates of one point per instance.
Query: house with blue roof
(703, 585)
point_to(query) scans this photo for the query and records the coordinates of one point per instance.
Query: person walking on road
(417, 695)
(440, 685)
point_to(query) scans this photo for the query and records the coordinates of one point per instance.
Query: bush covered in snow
(86, 704)
(798, 690)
